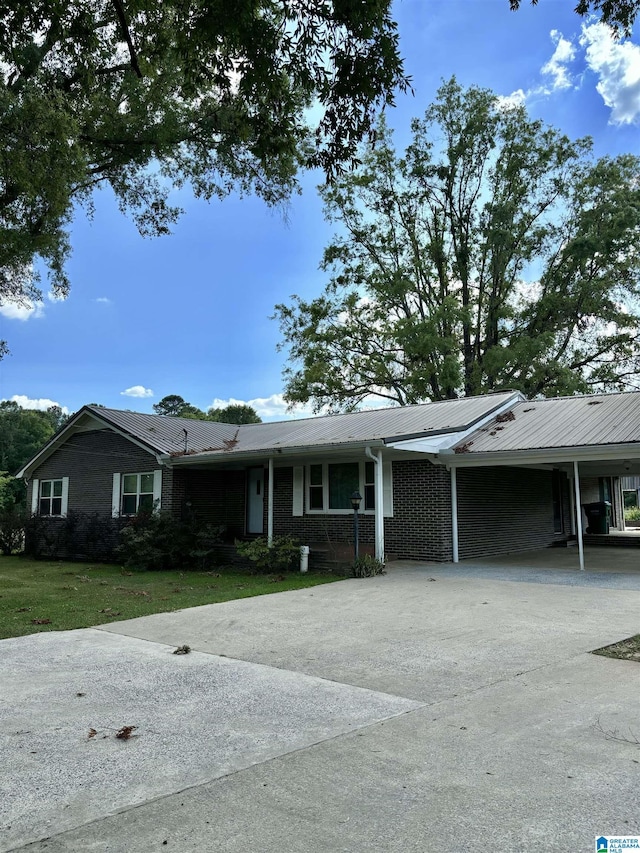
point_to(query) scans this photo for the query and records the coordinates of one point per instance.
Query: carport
(589, 439)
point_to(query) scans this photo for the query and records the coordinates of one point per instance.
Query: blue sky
(189, 314)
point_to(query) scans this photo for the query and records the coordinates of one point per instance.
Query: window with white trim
(137, 493)
(50, 501)
(331, 484)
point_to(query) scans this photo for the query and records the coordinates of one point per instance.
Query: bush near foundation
(281, 556)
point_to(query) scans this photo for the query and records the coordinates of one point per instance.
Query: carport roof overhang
(626, 455)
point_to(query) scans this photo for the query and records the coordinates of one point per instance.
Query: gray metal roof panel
(598, 419)
(166, 434)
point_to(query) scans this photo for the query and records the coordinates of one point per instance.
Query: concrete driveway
(437, 708)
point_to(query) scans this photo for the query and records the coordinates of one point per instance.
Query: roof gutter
(184, 460)
(536, 456)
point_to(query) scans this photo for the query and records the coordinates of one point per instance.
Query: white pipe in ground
(304, 558)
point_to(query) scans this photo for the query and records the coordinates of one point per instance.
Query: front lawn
(52, 596)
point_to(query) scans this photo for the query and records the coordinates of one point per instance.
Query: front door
(255, 501)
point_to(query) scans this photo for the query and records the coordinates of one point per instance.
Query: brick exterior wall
(216, 497)
(419, 528)
(501, 510)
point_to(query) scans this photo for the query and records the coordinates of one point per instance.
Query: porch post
(270, 504)
(576, 482)
(454, 514)
(379, 509)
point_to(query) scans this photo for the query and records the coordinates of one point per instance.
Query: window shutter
(298, 491)
(387, 489)
(65, 496)
(115, 498)
(157, 490)
(35, 493)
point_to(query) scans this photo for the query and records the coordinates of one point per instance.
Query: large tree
(148, 95)
(493, 253)
(619, 14)
(234, 413)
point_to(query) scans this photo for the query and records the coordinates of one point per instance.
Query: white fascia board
(280, 455)
(435, 444)
(590, 453)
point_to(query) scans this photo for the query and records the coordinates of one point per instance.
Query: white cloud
(556, 67)
(137, 391)
(22, 311)
(42, 403)
(104, 300)
(515, 99)
(617, 64)
(275, 407)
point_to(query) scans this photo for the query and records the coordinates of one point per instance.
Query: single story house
(442, 481)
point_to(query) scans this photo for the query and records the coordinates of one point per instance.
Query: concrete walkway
(432, 709)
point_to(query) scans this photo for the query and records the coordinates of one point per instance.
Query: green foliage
(493, 253)
(630, 499)
(173, 405)
(632, 513)
(158, 95)
(619, 14)
(13, 521)
(24, 431)
(155, 541)
(367, 566)
(282, 555)
(236, 413)
(79, 535)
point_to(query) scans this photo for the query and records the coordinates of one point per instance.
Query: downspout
(270, 504)
(379, 503)
(576, 481)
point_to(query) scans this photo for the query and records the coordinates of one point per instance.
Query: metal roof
(166, 434)
(598, 419)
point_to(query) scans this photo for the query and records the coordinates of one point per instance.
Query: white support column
(576, 482)
(454, 515)
(270, 504)
(379, 508)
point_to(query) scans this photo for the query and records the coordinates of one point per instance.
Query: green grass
(78, 595)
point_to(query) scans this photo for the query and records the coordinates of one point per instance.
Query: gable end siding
(90, 459)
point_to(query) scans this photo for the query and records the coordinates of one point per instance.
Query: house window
(50, 497)
(369, 485)
(137, 493)
(330, 486)
(316, 487)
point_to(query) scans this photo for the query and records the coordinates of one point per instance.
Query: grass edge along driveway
(40, 595)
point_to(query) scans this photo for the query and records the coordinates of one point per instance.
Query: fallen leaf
(182, 650)
(92, 733)
(23, 609)
(41, 621)
(125, 732)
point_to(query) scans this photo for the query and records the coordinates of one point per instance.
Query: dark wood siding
(89, 460)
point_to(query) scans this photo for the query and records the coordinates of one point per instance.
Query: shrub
(155, 541)
(632, 514)
(280, 556)
(13, 522)
(367, 566)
